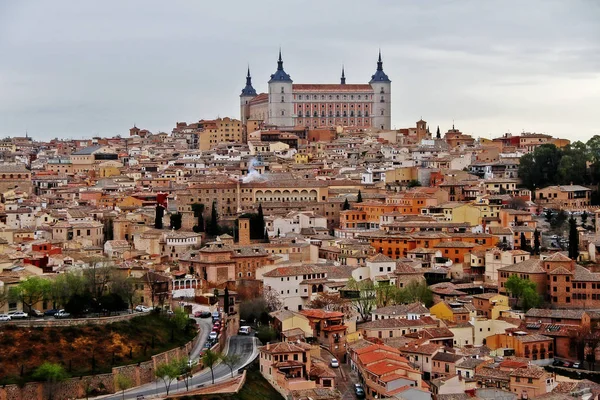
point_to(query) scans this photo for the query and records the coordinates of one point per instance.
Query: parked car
(577, 364)
(205, 314)
(557, 362)
(207, 345)
(142, 308)
(359, 391)
(18, 315)
(216, 316)
(244, 330)
(36, 313)
(566, 364)
(50, 312)
(334, 363)
(61, 314)
(4, 317)
(197, 314)
(213, 335)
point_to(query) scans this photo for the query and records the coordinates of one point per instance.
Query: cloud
(77, 68)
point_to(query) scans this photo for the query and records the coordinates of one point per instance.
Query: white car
(4, 317)
(213, 335)
(142, 308)
(18, 315)
(334, 363)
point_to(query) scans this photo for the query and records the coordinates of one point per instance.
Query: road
(245, 346)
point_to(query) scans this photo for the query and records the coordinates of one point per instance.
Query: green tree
(123, 383)
(416, 291)
(167, 372)
(158, 216)
(573, 239)
(198, 210)
(559, 220)
(267, 240)
(266, 334)
(213, 227)
(184, 366)
(346, 205)
(31, 291)
(386, 294)
(524, 290)
(364, 298)
(175, 220)
(359, 198)
(414, 183)
(549, 215)
(231, 360)
(209, 360)
(536, 242)
(524, 243)
(261, 221)
(180, 318)
(584, 218)
(52, 374)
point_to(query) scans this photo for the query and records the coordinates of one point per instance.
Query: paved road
(245, 346)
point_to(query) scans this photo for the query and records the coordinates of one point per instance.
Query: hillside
(83, 348)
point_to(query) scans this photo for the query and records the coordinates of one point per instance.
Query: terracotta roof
(532, 266)
(530, 371)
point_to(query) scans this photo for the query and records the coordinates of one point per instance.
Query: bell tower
(382, 98)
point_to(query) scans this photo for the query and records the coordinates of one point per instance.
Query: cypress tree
(226, 301)
(536, 242)
(158, 218)
(214, 220)
(524, 244)
(346, 205)
(267, 236)
(359, 197)
(573, 239)
(261, 220)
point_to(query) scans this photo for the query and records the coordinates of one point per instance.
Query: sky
(77, 69)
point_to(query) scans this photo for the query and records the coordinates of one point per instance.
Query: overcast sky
(81, 68)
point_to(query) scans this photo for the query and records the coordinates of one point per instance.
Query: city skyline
(79, 70)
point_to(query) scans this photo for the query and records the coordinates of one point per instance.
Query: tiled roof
(531, 371)
(447, 357)
(551, 313)
(532, 266)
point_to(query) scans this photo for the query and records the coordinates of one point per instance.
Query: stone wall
(74, 322)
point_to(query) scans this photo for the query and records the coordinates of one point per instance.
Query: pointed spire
(248, 78)
(343, 80)
(379, 62)
(280, 62)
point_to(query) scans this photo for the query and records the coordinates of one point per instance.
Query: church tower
(281, 107)
(248, 93)
(382, 98)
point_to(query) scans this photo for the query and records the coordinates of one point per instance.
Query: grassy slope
(255, 388)
(23, 349)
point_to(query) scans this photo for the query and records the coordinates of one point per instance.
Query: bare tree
(272, 298)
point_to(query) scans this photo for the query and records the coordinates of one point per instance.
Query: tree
(213, 227)
(266, 334)
(416, 291)
(536, 242)
(549, 215)
(359, 197)
(261, 220)
(346, 205)
(184, 366)
(364, 299)
(573, 239)
(524, 243)
(124, 286)
(180, 318)
(226, 301)
(198, 210)
(559, 220)
(524, 290)
(267, 240)
(31, 291)
(414, 183)
(158, 217)
(231, 360)
(167, 372)
(386, 294)
(254, 309)
(123, 383)
(175, 220)
(209, 359)
(584, 218)
(438, 135)
(52, 374)
(272, 298)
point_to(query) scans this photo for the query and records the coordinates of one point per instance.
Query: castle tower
(248, 93)
(243, 231)
(281, 107)
(382, 98)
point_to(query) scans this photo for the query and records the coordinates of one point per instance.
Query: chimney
(268, 345)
